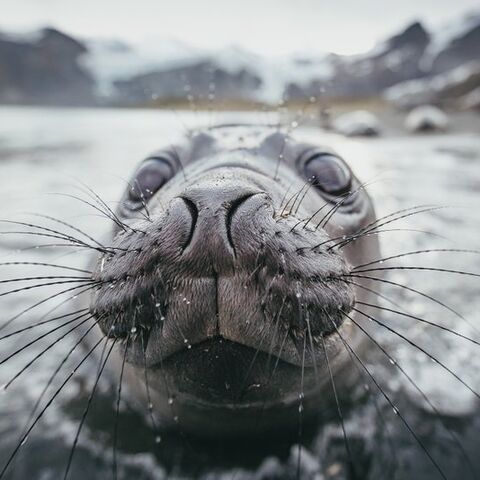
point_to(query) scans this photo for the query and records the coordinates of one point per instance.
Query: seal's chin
(219, 372)
(232, 373)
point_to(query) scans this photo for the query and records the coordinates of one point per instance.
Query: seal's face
(225, 285)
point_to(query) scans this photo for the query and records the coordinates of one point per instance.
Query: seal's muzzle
(224, 286)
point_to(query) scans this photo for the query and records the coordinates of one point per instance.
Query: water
(47, 152)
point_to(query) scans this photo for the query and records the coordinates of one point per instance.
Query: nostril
(232, 208)
(192, 208)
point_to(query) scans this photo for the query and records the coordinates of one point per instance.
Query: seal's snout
(214, 208)
(218, 261)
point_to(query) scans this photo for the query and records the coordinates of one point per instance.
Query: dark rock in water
(359, 123)
(202, 80)
(45, 70)
(426, 118)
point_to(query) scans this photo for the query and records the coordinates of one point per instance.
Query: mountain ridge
(51, 67)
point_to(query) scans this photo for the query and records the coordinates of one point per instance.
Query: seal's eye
(150, 177)
(328, 173)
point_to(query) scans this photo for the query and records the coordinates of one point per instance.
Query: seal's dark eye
(149, 178)
(328, 173)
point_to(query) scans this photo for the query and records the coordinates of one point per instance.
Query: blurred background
(240, 56)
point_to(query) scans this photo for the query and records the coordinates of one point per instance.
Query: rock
(358, 123)
(426, 118)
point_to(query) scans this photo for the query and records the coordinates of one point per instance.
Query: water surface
(47, 153)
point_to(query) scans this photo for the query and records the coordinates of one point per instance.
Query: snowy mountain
(112, 72)
(446, 88)
(451, 63)
(170, 69)
(43, 68)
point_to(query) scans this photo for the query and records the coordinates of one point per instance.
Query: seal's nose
(214, 207)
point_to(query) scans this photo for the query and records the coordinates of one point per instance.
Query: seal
(224, 280)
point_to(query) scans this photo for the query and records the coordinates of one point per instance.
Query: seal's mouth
(219, 371)
(229, 375)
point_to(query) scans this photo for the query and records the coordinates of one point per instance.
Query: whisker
(404, 213)
(117, 222)
(47, 277)
(335, 207)
(276, 331)
(287, 191)
(55, 373)
(69, 225)
(301, 198)
(85, 412)
(145, 215)
(377, 293)
(416, 252)
(420, 293)
(420, 391)
(390, 402)
(300, 408)
(44, 409)
(41, 302)
(354, 237)
(328, 216)
(279, 158)
(32, 342)
(103, 206)
(44, 322)
(288, 210)
(428, 269)
(418, 347)
(149, 397)
(375, 403)
(117, 413)
(339, 413)
(382, 222)
(49, 284)
(414, 317)
(48, 232)
(101, 202)
(40, 264)
(45, 350)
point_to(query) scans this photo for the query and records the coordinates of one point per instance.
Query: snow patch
(416, 92)
(444, 36)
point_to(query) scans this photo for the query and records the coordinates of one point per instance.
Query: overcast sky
(265, 26)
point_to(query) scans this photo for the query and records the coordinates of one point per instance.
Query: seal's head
(225, 285)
